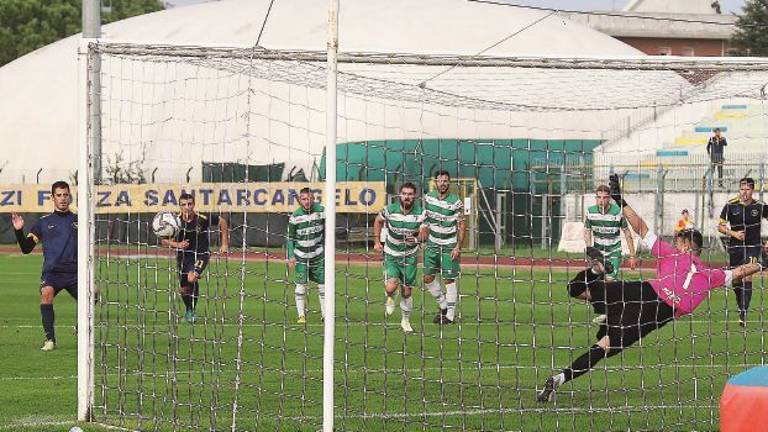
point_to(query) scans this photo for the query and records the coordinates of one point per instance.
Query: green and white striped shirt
(606, 229)
(399, 226)
(443, 217)
(306, 233)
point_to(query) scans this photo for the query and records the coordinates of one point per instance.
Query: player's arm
(290, 242)
(631, 247)
(587, 237)
(723, 226)
(26, 243)
(746, 270)
(423, 232)
(635, 221)
(224, 228)
(460, 233)
(169, 242)
(378, 224)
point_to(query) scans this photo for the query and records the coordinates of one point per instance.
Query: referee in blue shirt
(58, 232)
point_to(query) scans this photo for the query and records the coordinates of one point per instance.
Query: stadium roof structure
(39, 109)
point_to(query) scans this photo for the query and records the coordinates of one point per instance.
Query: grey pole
(91, 19)
(92, 30)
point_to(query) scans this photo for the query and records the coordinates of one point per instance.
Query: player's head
(746, 188)
(187, 204)
(717, 132)
(684, 213)
(61, 196)
(306, 198)
(407, 195)
(689, 240)
(603, 196)
(442, 181)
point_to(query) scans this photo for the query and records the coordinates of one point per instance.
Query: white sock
(451, 296)
(559, 379)
(321, 296)
(437, 292)
(301, 299)
(406, 304)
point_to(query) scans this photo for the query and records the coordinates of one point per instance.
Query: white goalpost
(525, 141)
(329, 323)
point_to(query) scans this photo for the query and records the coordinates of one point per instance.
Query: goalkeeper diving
(636, 308)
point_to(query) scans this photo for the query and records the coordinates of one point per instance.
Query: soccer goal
(243, 131)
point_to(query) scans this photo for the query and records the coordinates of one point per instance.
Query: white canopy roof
(39, 108)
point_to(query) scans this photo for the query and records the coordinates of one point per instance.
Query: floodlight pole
(89, 139)
(329, 200)
(92, 31)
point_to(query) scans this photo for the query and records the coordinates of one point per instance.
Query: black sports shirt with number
(744, 217)
(197, 233)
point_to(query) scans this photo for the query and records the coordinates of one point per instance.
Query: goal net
(526, 141)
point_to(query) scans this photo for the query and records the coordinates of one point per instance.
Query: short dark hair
(693, 236)
(716, 130)
(749, 181)
(305, 190)
(186, 196)
(61, 184)
(408, 185)
(442, 173)
(603, 188)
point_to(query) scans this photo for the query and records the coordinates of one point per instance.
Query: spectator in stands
(716, 150)
(684, 223)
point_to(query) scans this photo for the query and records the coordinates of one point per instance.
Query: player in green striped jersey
(446, 228)
(404, 221)
(306, 238)
(604, 224)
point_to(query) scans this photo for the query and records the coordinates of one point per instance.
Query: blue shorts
(744, 254)
(192, 265)
(60, 281)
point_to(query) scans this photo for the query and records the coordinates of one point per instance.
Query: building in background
(663, 27)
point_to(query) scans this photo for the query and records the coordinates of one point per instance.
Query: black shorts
(60, 281)
(739, 255)
(192, 264)
(633, 310)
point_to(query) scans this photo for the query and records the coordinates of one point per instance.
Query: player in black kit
(740, 221)
(58, 233)
(192, 254)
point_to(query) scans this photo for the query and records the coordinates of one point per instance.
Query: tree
(26, 25)
(751, 36)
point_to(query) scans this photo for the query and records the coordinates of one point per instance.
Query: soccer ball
(166, 224)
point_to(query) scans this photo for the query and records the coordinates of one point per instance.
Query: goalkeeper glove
(613, 182)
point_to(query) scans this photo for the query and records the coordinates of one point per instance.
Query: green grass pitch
(156, 372)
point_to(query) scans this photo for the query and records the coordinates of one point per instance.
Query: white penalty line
(521, 410)
(289, 323)
(393, 371)
(15, 425)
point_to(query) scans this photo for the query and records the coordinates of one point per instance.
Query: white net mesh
(525, 140)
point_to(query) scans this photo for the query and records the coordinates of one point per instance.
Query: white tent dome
(39, 107)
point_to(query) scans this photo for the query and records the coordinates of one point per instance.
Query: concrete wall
(645, 204)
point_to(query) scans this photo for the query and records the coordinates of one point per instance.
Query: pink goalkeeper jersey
(682, 280)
